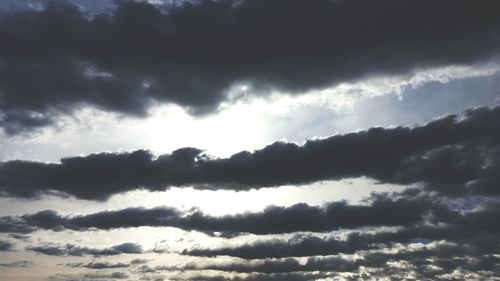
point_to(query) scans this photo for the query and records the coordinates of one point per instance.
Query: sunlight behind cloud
(209, 201)
(242, 123)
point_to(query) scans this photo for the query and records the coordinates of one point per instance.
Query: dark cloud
(16, 235)
(446, 256)
(138, 261)
(298, 246)
(382, 211)
(90, 276)
(90, 6)
(21, 121)
(57, 59)
(306, 276)
(476, 228)
(12, 224)
(6, 246)
(75, 250)
(452, 155)
(110, 174)
(267, 266)
(114, 275)
(99, 265)
(433, 261)
(107, 265)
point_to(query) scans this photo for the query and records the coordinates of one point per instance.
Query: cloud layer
(75, 250)
(57, 59)
(382, 211)
(269, 69)
(452, 155)
(476, 229)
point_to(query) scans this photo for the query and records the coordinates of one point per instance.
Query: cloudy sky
(249, 140)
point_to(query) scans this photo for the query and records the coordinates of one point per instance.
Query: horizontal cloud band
(476, 229)
(383, 211)
(75, 250)
(57, 59)
(452, 155)
(443, 254)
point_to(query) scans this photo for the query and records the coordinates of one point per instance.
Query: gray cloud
(114, 275)
(382, 211)
(433, 261)
(107, 265)
(99, 265)
(6, 246)
(476, 228)
(298, 246)
(57, 59)
(452, 155)
(447, 256)
(17, 236)
(306, 276)
(75, 250)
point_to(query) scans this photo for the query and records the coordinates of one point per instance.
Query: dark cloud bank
(475, 228)
(453, 156)
(382, 211)
(452, 214)
(57, 59)
(454, 239)
(333, 263)
(465, 245)
(108, 265)
(444, 257)
(75, 250)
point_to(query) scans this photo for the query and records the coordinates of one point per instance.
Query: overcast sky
(249, 140)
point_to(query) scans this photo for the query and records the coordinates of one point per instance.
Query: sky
(249, 140)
